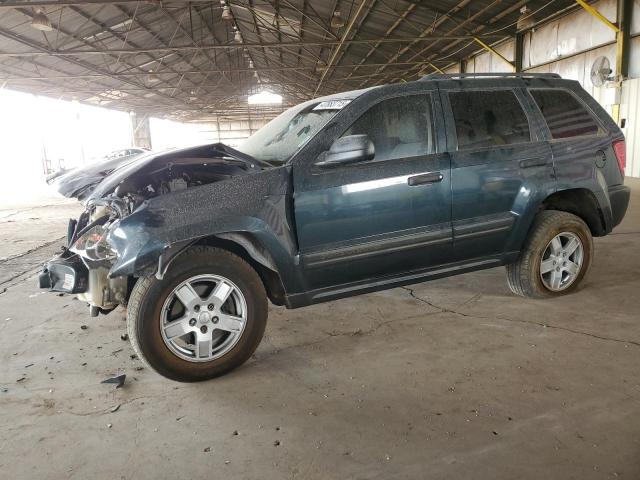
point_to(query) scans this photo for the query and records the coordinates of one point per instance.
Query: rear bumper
(619, 200)
(64, 274)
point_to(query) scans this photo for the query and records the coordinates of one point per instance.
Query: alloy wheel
(203, 318)
(561, 261)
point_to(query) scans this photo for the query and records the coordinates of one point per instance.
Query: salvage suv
(343, 195)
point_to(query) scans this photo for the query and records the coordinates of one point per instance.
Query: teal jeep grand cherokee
(342, 195)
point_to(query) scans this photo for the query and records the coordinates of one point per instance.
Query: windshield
(279, 139)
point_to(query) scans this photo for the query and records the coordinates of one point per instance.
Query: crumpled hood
(98, 180)
(74, 182)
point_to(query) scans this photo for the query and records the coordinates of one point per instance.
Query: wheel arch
(251, 250)
(580, 202)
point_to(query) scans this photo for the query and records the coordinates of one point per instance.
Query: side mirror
(346, 150)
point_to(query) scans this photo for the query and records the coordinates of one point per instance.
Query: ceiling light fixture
(525, 20)
(265, 98)
(336, 20)
(39, 21)
(237, 37)
(153, 78)
(226, 12)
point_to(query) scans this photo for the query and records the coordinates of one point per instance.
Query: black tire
(149, 294)
(523, 276)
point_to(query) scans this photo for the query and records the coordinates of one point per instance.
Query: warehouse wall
(169, 134)
(232, 132)
(568, 46)
(487, 62)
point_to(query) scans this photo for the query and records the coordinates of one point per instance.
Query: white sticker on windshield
(332, 104)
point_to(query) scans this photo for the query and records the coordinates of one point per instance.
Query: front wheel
(555, 259)
(202, 320)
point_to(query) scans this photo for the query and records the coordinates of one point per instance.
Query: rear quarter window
(487, 118)
(566, 115)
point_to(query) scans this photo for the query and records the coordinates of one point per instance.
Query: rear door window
(565, 115)
(487, 118)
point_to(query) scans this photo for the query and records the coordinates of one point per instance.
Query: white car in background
(70, 182)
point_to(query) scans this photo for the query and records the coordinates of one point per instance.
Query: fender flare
(248, 242)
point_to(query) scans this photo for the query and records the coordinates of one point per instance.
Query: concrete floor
(450, 379)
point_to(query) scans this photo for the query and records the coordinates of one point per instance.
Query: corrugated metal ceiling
(180, 59)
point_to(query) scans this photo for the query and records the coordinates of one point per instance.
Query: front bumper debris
(64, 273)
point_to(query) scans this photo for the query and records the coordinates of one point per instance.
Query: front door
(380, 217)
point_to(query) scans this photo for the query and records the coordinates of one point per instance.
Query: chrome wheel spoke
(572, 246)
(572, 268)
(220, 294)
(547, 265)
(177, 328)
(203, 346)
(229, 323)
(556, 245)
(556, 280)
(187, 296)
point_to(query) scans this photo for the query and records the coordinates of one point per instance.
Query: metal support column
(140, 131)
(623, 45)
(623, 37)
(518, 51)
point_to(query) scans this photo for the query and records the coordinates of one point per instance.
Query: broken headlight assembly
(93, 244)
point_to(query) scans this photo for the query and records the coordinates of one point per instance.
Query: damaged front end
(86, 265)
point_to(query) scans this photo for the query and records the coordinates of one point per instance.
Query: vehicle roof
(468, 76)
(470, 80)
(521, 79)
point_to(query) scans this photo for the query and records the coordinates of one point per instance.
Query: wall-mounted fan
(601, 71)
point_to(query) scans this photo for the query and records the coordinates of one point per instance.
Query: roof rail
(447, 76)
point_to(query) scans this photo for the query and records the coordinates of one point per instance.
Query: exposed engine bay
(84, 265)
(173, 177)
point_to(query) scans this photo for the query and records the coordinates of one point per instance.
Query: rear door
(381, 217)
(498, 155)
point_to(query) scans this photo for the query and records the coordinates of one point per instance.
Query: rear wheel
(555, 259)
(202, 320)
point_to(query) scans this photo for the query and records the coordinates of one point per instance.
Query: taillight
(620, 150)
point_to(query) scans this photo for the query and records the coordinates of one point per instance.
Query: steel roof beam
(235, 46)
(87, 66)
(222, 70)
(87, 3)
(429, 31)
(478, 30)
(336, 51)
(353, 35)
(104, 27)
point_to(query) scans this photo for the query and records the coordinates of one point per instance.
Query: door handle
(424, 178)
(533, 162)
